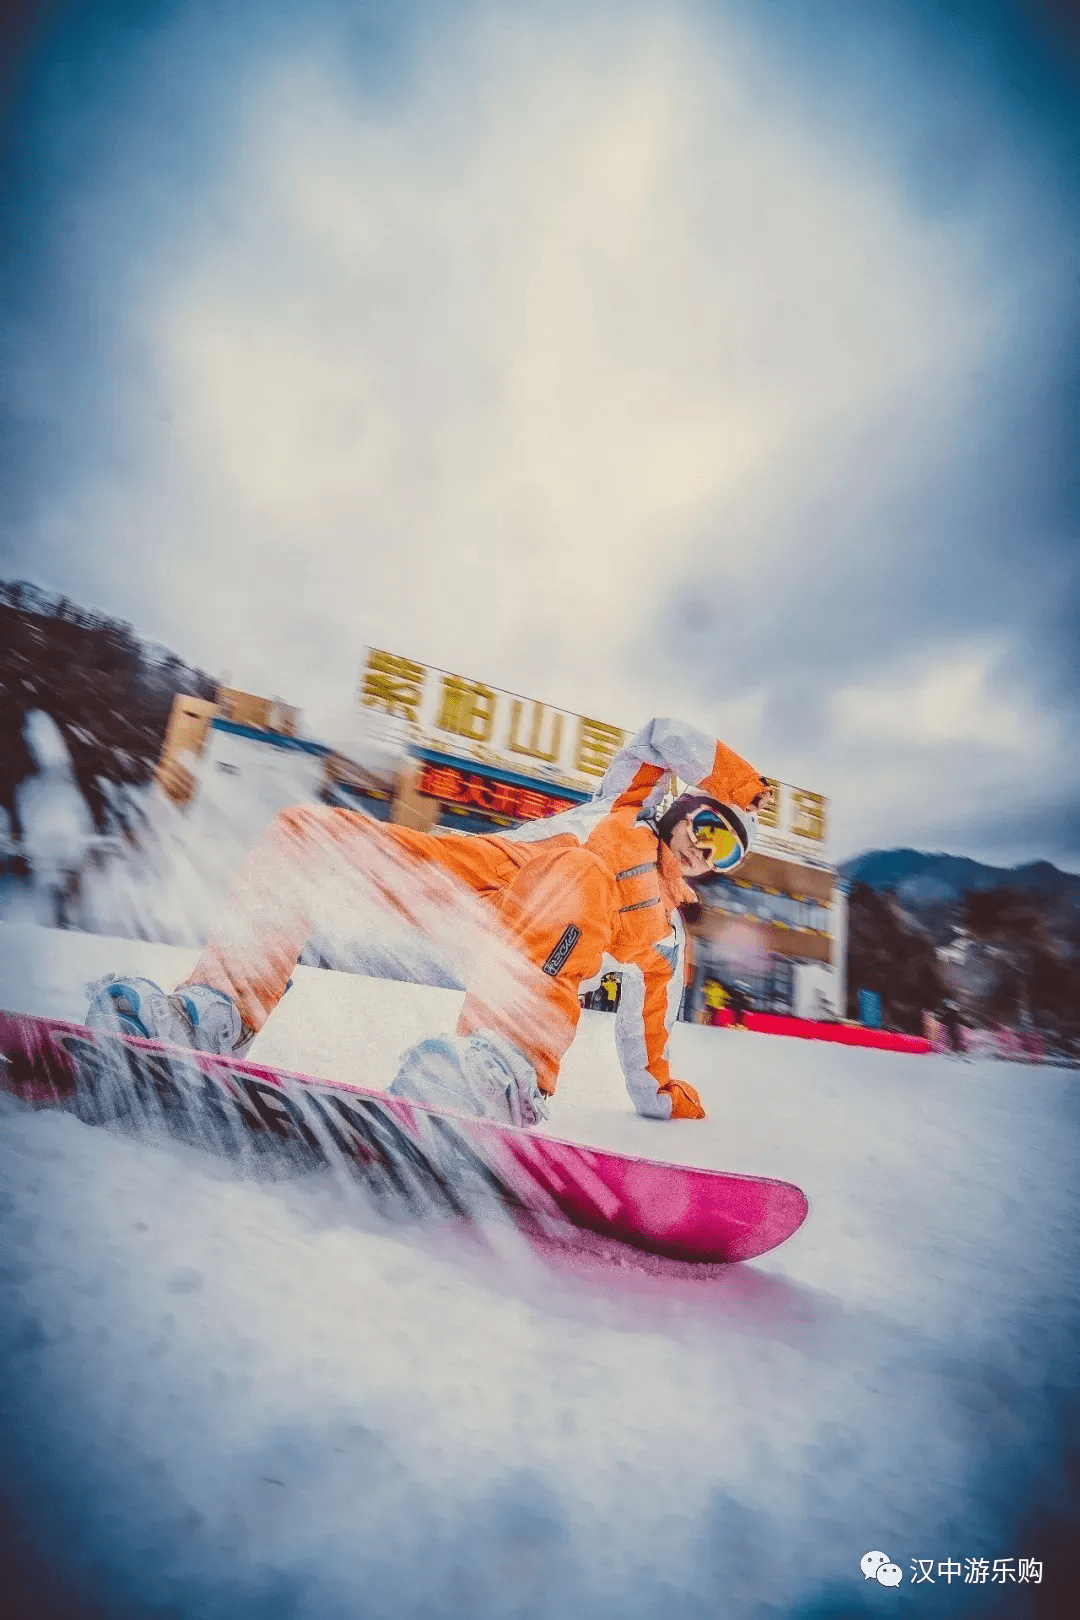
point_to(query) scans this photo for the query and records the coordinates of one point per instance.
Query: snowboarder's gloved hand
(685, 1102)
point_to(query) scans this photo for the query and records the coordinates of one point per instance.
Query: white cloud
(956, 700)
(937, 740)
(473, 378)
(591, 310)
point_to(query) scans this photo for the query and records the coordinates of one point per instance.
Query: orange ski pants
(553, 901)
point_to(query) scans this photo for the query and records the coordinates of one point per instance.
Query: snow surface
(229, 1399)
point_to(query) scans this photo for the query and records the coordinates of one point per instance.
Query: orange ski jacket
(647, 942)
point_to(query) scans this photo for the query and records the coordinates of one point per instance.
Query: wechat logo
(880, 1567)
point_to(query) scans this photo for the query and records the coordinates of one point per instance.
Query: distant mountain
(921, 879)
(1022, 924)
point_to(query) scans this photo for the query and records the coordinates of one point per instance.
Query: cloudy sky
(705, 359)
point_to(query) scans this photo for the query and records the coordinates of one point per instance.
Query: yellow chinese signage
(795, 824)
(451, 715)
(412, 703)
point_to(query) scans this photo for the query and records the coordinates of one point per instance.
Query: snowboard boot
(482, 1075)
(194, 1016)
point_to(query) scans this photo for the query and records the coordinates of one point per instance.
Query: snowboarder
(576, 894)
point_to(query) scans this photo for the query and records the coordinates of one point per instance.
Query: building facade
(257, 740)
(483, 760)
(436, 751)
(776, 931)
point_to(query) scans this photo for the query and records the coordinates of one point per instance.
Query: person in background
(715, 998)
(950, 1017)
(609, 993)
(739, 1002)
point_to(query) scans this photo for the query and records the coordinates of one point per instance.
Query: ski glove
(685, 1102)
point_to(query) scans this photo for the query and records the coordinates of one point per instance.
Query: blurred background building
(776, 929)
(482, 760)
(258, 739)
(433, 750)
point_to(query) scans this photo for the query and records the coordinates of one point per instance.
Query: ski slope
(227, 1399)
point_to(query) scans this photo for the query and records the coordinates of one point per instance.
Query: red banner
(811, 1030)
(494, 798)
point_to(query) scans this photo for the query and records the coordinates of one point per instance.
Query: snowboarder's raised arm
(663, 746)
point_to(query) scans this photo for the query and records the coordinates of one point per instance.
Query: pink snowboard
(410, 1158)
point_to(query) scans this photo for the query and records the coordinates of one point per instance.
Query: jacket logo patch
(562, 951)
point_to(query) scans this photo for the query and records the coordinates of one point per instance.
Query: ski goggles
(721, 835)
